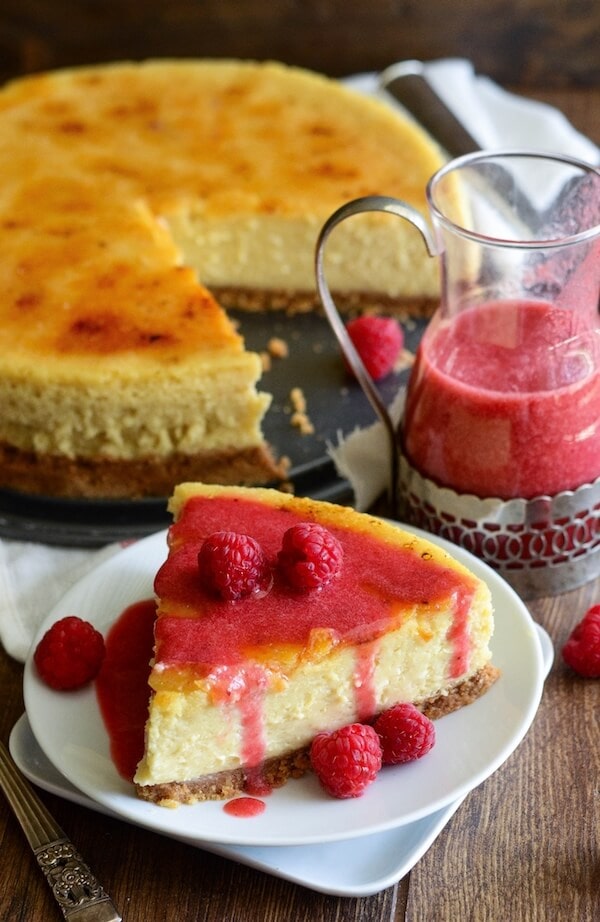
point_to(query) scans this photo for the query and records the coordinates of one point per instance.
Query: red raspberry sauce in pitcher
(504, 401)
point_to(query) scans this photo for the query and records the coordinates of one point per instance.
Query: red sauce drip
(364, 690)
(377, 581)
(244, 807)
(244, 687)
(458, 635)
(122, 684)
(256, 783)
(253, 736)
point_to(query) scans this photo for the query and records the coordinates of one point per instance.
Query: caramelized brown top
(93, 160)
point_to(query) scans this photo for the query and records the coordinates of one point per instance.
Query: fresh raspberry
(69, 654)
(378, 341)
(310, 556)
(582, 650)
(347, 760)
(234, 566)
(405, 734)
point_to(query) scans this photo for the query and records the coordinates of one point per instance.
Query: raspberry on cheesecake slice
(282, 617)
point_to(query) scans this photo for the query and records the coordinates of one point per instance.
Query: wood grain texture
(525, 845)
(537, 43)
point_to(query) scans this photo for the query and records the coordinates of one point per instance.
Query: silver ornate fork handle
(76, 890)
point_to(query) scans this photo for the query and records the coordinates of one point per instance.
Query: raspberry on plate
(378, 341)
(405, 734)
(347, 760)
(70, 654)
(234, 566)
(582, 650)
(310, 556)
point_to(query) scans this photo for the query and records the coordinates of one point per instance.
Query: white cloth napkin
(33, 577)
(494, 117)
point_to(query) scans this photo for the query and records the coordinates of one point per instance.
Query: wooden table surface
(525, 845)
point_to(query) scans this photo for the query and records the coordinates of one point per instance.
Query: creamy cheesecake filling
(371, 254)
(269, 716)
(177, 409)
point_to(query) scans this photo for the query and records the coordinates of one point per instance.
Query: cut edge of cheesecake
(277, 771)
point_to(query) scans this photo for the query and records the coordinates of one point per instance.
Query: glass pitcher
(499, 445)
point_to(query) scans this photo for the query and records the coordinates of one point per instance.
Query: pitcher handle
(367, 203)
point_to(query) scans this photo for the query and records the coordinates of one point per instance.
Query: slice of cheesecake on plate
(243, 678)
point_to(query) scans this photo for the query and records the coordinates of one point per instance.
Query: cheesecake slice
(133, 196)
(240, 688)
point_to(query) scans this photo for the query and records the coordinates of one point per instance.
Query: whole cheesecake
(239, 688)
(132, 196)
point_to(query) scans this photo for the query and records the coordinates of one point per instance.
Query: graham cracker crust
(302, 302)
(107, 478)
(275, 772)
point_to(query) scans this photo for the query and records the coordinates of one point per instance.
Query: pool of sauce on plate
(244, 807)
(122, 684)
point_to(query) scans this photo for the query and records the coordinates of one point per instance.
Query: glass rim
(457, 163)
